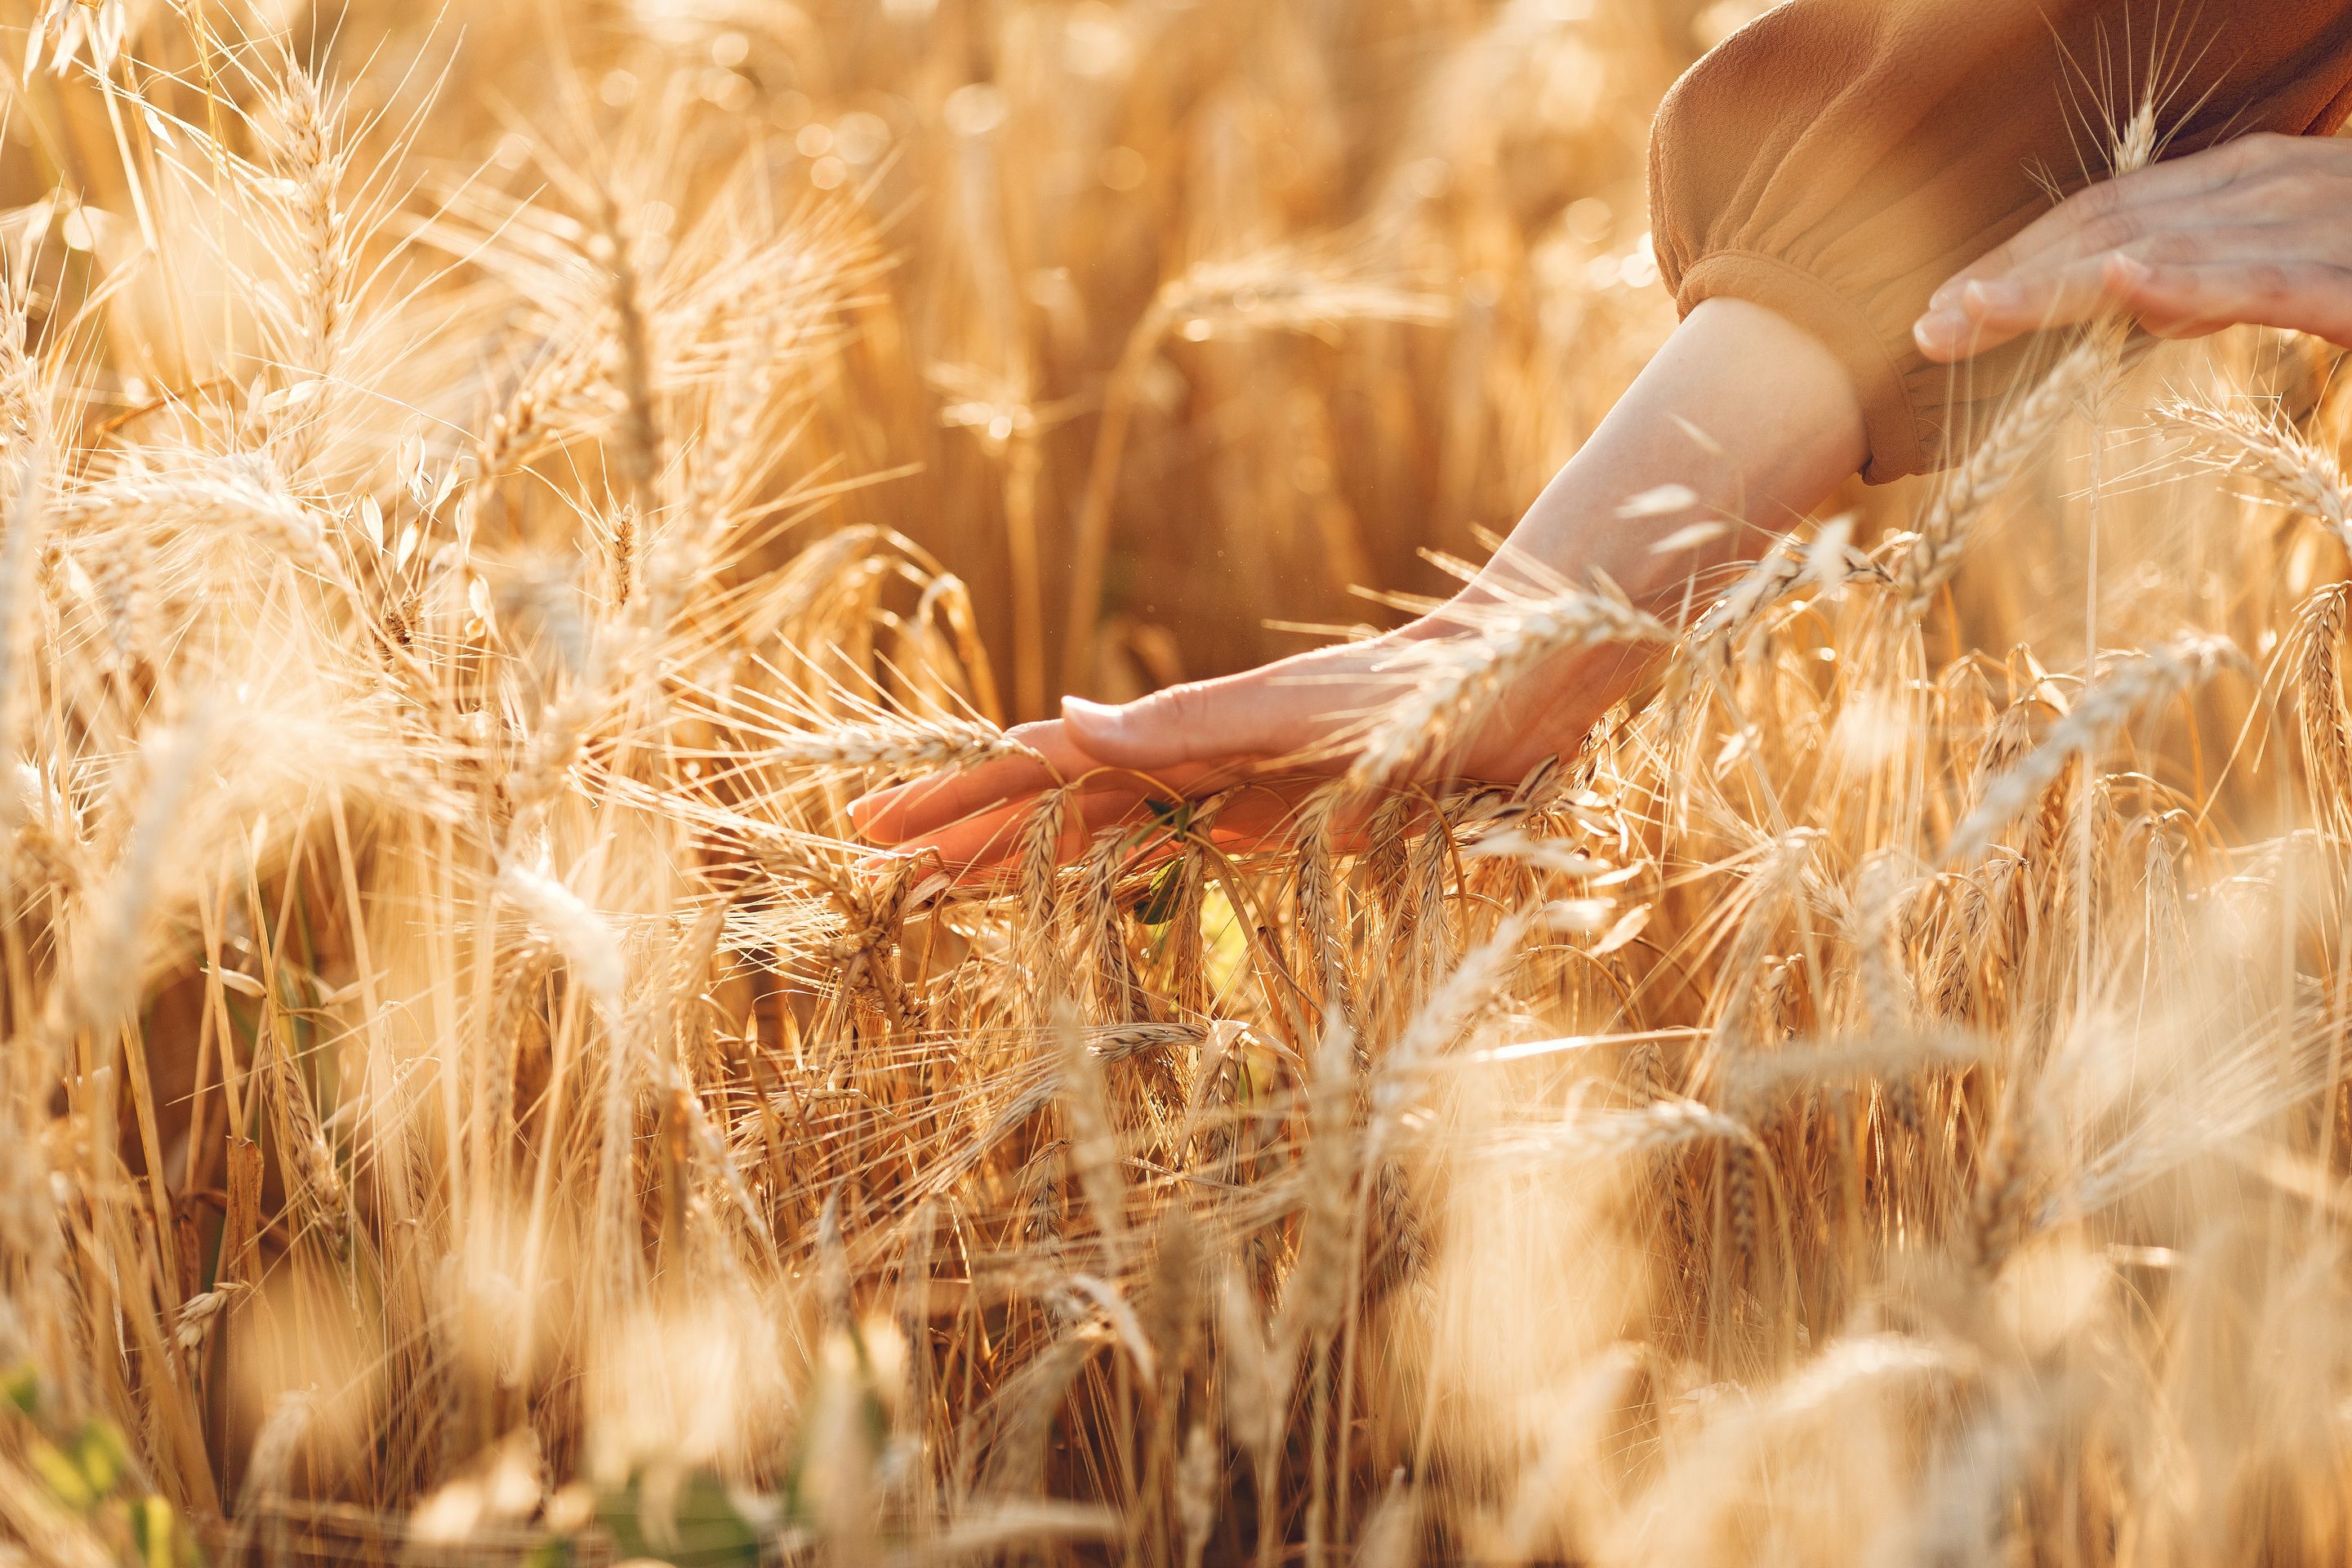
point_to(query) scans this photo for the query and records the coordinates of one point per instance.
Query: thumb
(1204, 721)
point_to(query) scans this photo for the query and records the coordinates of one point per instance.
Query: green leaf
(701, 1529)
(1159, 901)
(99, 1454)
(152, 1531)
(23, 1385)
(62, 1475)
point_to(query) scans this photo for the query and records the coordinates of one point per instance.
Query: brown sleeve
(1836, 160)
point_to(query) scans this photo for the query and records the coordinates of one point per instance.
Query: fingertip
(1108, 734)
(1090, 717)
(879, 815)
(1941, 334)
(1927, 335)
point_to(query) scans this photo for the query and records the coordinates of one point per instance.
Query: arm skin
(2256, 231)
(1781, 429)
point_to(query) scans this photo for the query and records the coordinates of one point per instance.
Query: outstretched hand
(2256, 231)
(1279, 730)
(1740, 425)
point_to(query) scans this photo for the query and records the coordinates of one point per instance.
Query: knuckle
(2261, 150)
(2113, 232)
(2094, 202)
(2101, 202)
(1991, 264)
(2316, 280)
(1183, 707)
(2274, 196)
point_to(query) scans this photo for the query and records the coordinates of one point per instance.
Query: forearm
(1777, 428)
(1748, 413)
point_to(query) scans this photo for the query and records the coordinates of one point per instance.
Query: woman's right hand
(1742, 418)
(1279, 729)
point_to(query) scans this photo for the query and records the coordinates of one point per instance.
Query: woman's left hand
(2256, 231)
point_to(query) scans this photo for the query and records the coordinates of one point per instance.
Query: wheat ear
(2268, 448)
(2096, 715)
(1458, 685)
(1935, 551)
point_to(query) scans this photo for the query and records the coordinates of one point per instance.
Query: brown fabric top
(1836, 160)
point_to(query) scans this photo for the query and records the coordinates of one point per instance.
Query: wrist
(1742, 421)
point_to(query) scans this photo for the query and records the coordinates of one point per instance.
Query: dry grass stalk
(1112, 987)
(1320, 915)
(1036, 894)
(446, 1013)
(1094, 1143)
(887, 745)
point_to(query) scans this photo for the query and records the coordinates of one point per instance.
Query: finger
(2169, 298)
(2059, 297)
(990, 839)
(1000, 835)
(1995, 311)
(1269, 713)
(1262, 814)
(1991, 311)
(1267, 815)
(2180, 331)
(909, 810)
(2175, 300)
(978, 844)
(2189, 180)
(2190, 230)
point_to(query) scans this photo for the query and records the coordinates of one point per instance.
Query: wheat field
(481, 488)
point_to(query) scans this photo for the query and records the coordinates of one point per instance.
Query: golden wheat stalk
(891, 745)
(2097, 716)
(2266, 447)
(1446, 690)
(1941, 541)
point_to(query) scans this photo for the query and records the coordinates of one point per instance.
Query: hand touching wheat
(1781, 427)
(1281, 729)
(2258, 231)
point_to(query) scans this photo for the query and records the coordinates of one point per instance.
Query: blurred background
(1184, 318)
(1127, 343)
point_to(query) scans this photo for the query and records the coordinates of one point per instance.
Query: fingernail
(1945, 298)
(1095, 713)
(1940, 330)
